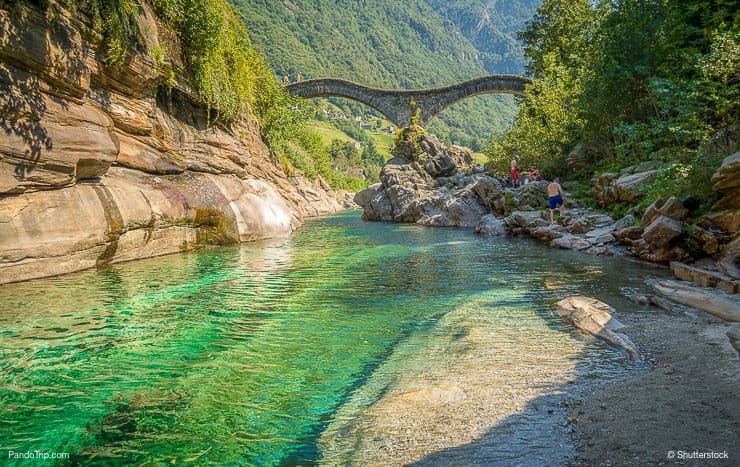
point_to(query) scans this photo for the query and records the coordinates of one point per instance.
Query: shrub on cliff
(219, 61)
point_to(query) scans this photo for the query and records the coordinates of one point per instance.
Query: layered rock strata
(102, 164)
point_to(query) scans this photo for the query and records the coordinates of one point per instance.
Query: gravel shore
(686, 405)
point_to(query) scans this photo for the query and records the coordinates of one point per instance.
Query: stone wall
(96, 169)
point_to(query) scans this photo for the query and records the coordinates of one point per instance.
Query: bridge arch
(394, 104)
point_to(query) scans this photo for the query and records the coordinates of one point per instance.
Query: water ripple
(246, 355)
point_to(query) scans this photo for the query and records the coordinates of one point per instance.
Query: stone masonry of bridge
(395, 104)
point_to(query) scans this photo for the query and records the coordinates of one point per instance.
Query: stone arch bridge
(395, 104)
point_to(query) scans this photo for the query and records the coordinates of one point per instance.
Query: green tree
(558, 33)
(548, 123)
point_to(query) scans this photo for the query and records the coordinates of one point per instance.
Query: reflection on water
(247, 355)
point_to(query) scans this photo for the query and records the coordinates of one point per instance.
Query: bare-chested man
(556, 197)
(514, 172)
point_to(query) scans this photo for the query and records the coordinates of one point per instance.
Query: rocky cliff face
(95, 169)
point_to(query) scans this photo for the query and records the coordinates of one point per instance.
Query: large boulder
(363, 197)
(464, 211)
(408, 194)
(462, 156)
(704, 277)
(491, 226)
(611, 188)
(652, 211)
(661, 232)
(432, 156)
(547, 233)
(489, 191)
(406, 202)
(627, 187)
(570, 242)
(601, 235)
(716, 302)
(594, 318)
(704, 241)
(629, 234)
(602, 189)
(399, 171)
(531, 196)
(423, 185)
(674, 209)
(524, 220)
(378, 206)
(726, 212)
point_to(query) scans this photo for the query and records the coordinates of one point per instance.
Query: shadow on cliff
(21, 109)
(24, 94)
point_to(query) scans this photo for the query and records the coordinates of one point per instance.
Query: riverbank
(688, 401)
(683, 399)
(105, 163)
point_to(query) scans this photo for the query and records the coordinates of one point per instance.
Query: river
(349, 342)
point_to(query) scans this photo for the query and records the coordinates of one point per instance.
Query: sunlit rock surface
(94, 169)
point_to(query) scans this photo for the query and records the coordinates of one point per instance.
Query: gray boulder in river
(424, 185)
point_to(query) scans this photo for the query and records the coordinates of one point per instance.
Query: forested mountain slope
(385, 43)
(491, 26)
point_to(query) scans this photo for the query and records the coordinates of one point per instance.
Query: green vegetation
(347, 156)
(628, 81)
(230, 76)
(492, 28)
(225, 68)
(384, 44)
(219, 58)
(387, 44)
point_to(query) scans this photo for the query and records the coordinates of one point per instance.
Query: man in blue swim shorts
(556, 197)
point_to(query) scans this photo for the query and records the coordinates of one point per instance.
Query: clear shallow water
(246, 355)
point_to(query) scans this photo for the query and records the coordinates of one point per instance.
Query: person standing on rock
(514, 172)
(556, 197)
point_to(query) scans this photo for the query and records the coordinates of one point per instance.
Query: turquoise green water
(242, 356)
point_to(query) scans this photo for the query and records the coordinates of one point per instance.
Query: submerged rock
(594, 318)
(435, 395)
